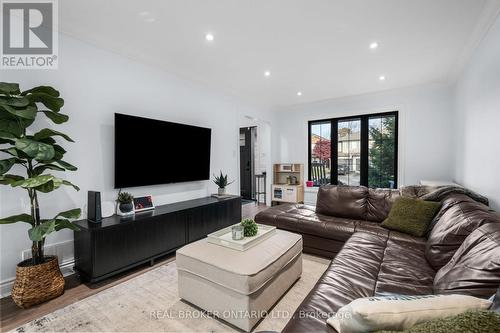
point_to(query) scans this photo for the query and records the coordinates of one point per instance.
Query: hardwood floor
(12, 316)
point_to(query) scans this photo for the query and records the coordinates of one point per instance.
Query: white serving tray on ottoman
(224, 237)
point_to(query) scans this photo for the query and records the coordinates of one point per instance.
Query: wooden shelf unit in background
(284, 191)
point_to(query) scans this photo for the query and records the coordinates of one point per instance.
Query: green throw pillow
(471, 321)
(411, 216)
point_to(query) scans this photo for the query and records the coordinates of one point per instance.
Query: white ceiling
(318, 47)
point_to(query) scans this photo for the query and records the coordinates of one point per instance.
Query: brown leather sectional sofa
(461, 253)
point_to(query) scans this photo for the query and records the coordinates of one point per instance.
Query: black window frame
(364, 141)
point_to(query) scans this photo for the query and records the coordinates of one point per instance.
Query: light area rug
(150, 303)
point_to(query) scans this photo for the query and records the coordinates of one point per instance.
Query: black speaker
(94, 213)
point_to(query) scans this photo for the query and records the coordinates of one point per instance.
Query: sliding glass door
(360, 150)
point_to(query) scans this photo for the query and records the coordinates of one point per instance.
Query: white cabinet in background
(310, 196)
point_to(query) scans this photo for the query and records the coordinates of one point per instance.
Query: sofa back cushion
(475, 268)
(355, 202)
(458, 218)
(342, 201)
(379, 203)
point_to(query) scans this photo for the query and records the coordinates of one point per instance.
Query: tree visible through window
(382, 152)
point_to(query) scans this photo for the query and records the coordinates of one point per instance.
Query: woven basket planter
(37, 284)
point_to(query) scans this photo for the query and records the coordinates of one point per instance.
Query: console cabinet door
(210, 218)
(115, 248)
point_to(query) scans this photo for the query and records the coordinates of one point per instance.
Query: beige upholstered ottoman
(239, 286)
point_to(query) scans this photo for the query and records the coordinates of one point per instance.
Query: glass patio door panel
(321, 153)
(349, 152)
(382, 154)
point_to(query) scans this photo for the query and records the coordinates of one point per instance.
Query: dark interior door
(246, 163)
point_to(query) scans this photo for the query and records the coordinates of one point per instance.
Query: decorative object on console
(37, 279)
(143, 203)
(125, 202)
(222, 182)
(94, 211)
(250, 227)
(411, 216)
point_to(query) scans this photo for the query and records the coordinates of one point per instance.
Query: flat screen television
(150, 152)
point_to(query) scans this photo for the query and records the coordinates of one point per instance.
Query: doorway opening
(248, 143)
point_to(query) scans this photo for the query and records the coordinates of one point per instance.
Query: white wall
(95, 84)
(425, 136)
(477, 106)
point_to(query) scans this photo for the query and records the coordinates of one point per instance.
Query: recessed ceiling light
(267, 73)
(381, 78)
(373, 45)
(299, 93)
(209, 37)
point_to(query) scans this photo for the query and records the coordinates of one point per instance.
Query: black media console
(119, 243)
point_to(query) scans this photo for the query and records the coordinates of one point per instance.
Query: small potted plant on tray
(222, 182)
(250, 227)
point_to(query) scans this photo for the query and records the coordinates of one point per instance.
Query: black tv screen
(149, 152)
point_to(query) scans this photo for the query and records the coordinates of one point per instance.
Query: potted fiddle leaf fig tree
(28, 158)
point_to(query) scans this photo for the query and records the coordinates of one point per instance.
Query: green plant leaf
(49, 186)
(38, 150)
(6, 135)
(42, 89)
(70, 214)
(12, 124)
(10, 179)
(17, 218)
(15, 152)
(28, 112)
(14, 101)
(68, 183)
(66, 165)
(6, 164)
(47, 133)
(52, 103)
(33, 181)
(9, 88)
(57, 118)
(39, 232)
(65, 224)
(39, 169)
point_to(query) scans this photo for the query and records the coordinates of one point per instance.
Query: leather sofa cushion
(379, 203)
(368, 264)
(355, 202)
(458, 217)
(342, 201)
(325, 226)
(475, 268)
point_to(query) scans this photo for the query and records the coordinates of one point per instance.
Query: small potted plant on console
(125, 202)
(222, 182)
